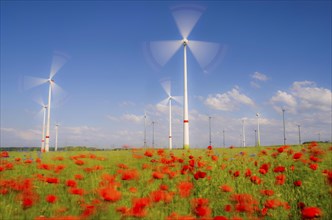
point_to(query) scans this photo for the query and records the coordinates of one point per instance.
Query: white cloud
(284, 100)
(228, 101)
(303, 96)
(132, 118)
(259, 76)
(15, 137)
(312, 97)
(112, 118)
(127, 104)
(254, 84)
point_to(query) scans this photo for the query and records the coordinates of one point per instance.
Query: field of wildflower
(282, 182)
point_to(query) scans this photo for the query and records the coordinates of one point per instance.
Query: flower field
(287, 182)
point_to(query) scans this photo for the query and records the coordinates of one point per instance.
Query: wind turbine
(43, 109)
(42, 149)
(205, 53)
(58, 61)
(56, 136)
(258, 132)
(243, 133)
(168, 101)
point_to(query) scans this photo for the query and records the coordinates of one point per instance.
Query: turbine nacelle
(185, 41)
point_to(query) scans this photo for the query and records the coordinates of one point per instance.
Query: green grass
(314, 192)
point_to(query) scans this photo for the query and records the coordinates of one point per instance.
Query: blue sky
(275, 54)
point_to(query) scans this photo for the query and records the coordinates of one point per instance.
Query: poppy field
(282, 182)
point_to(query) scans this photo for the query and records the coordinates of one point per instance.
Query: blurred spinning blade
(30, 82)
(59, 59)
(164, 101)
(162, 51)
(178, 99)
(59, 94)
(206, 53)
(167, 87)
(186, 17)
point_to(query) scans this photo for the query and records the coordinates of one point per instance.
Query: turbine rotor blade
(164, 101)
(207, 54)
(186, 17)
(39, 101)
(166, 86)
(59, 94)
(59, 59)
(178, 99)
(30, 82)
(160, 52)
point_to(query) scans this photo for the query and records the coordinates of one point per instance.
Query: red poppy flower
(280, 179)
(27, 202)
(4, 154)
(209, 147)
(76, 191)
(228, 208)
(78, 176)
(226, 188)
(71, 183)
(192, 162)
(313, 166)
(79, 162)
(202, 211)
(163, 187)
(51, 198)
(279, 169)
(129, 175)
(255, 179)
(138, 207)
(267, 192)
(301, 205)
(220, 218)
(311, 212)
(297, 155)
(272, 204)
(236, 173)
(214, 158)
(248, 173)
(133, 189)
(185, 188)
(297, 183)
(157, 175)
(52, 180)
(199, 175)
(200, 207)
(265, 167)
(148, 153)
(110, 194)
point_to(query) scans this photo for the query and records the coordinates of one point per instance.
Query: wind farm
(114, 141)
(201, 73)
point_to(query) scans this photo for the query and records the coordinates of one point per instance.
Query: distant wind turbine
(168, 101)
(44, 109)
(58, 61)
(205, 53)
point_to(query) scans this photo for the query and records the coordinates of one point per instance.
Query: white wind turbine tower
(58, 61)
(56, 136)
(168, 101)
(42, 149)
(43, 127)
(205, 53)
(43, 109)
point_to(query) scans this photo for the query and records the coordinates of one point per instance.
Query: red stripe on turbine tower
(47, 136)
(185, 121)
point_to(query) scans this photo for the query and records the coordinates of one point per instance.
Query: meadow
(281, 182)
